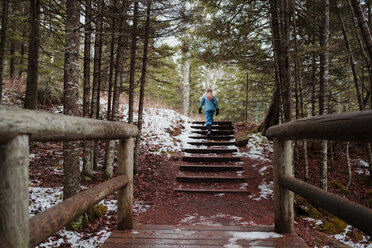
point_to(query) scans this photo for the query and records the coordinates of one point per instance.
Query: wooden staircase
(214, 169)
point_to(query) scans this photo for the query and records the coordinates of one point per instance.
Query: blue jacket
(209, 105)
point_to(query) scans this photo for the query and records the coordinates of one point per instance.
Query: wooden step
(212, 137)
(222, 123)
(210, 150)
(215, 132)
(218, 127)
(160, 236)
(210, 167)
(212, 191)
(210, 159)
(214, 143)
(212, 178)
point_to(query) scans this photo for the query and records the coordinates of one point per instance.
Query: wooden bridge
(18, 127)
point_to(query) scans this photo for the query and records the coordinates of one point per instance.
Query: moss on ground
(83, 221)
(331, 224)
(336, 184)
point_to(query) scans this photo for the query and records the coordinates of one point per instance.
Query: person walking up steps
(211, 105)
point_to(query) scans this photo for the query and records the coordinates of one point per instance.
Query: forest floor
(155, 202)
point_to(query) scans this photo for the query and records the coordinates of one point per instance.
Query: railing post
(283, 198)
(14, 229)
(125, 195)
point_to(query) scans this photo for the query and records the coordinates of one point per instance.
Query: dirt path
(169, 207)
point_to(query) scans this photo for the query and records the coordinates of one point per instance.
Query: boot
(209, 130)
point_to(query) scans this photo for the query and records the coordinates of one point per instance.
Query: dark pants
(209, 117)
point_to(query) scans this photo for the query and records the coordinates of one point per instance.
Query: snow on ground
(363, 169)
(158, 125)
(344, 238)
(266, 191)
(249, 236)
(258, 145)
(214, 220)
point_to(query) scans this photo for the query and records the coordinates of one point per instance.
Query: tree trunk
(109, 152)
(367, 38)
(323, 86)
(119, 61)
(12, 59)
(142, 89)
(351, 60)
(33, 56)
(133, 62)
(87, 162)
(186, 85)
(20, 72)
(285, 57)
(4, 25)
(297, 78)
(112, 60)
(97, 59)
(109, 159)
(348, 165)
(71, 185)
(97, 77)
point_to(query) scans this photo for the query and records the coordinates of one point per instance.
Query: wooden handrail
(354, 126)
(44, 126)
(48, 222)
(17, 128)
(350, 212)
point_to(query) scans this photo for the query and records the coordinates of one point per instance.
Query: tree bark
(109, 152)
(109, 159)
(143, 84)
(20, 72)
(94, 113)
(133, 63)
(112, 59)
(272, 115)
(71, 184)
(186, 84)
(97, 60)
(87, 162)
(33, 56)
(4, 25)
(323, 86)
(351, 60)
(12, 59)
(367, 38)
(285, 57)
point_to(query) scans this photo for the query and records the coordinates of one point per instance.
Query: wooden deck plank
(212, 191)
(211, 167)
(209, 150)
(228, 137)
(199, 159)
(215, 143)
(182, 178)
(200, 236)
(219, 127)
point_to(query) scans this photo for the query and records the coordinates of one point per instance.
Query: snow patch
(249, 236)
(266, 191)
(258, 144)
(344, 238)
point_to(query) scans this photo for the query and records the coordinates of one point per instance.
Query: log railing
(17, 128)
(356, 126)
